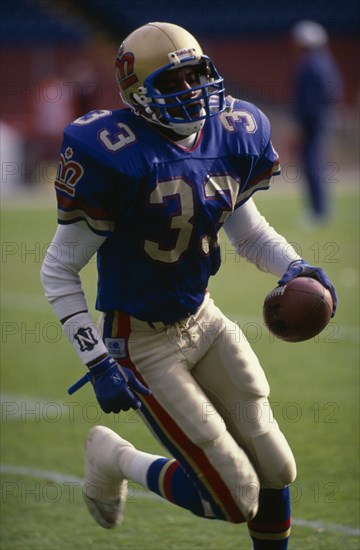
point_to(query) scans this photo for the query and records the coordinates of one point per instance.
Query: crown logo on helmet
(124, 66)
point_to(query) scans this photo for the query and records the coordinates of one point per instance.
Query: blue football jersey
(159, 204)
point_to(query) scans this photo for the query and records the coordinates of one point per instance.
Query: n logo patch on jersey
(85, 339)
(69, 172)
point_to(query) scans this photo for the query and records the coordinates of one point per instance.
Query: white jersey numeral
(91, 117)
(113, 141)
(222, 184)
(117, 140)
(183, 191)
(245, 118)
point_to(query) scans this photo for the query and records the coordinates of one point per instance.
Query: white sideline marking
(330, 527)
(58, 477)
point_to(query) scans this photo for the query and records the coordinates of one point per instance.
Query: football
(299, 310)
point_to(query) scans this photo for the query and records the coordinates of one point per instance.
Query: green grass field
(314, 396)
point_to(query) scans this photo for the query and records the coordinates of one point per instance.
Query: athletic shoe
(105, 488)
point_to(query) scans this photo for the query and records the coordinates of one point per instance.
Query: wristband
(103, 366)
(84, 336)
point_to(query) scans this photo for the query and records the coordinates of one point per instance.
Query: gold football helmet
(146, 54)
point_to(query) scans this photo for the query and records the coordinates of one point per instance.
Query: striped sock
(270, 529)
(168, 479)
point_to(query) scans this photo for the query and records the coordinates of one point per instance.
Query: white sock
(135, 464)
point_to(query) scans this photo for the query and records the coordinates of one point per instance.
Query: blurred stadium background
(58, 63)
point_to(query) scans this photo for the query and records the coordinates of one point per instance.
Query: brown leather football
(299, 310)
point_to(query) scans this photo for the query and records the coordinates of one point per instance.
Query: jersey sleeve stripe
(276, 167)
(69, 204)
(72, 210)
(72, 216)
(262, 181)
(249, 192)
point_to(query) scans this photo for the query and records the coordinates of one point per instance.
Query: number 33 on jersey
(161, 205)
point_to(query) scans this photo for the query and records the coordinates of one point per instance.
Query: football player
(148, 188)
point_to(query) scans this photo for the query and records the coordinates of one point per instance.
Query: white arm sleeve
(256, 241)
(71, 249)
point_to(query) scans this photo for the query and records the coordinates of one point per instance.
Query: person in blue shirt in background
(317, 90)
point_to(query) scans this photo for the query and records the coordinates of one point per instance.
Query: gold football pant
(209, 404)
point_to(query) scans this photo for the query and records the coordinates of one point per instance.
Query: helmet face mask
(148, 81)
(183, 110)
